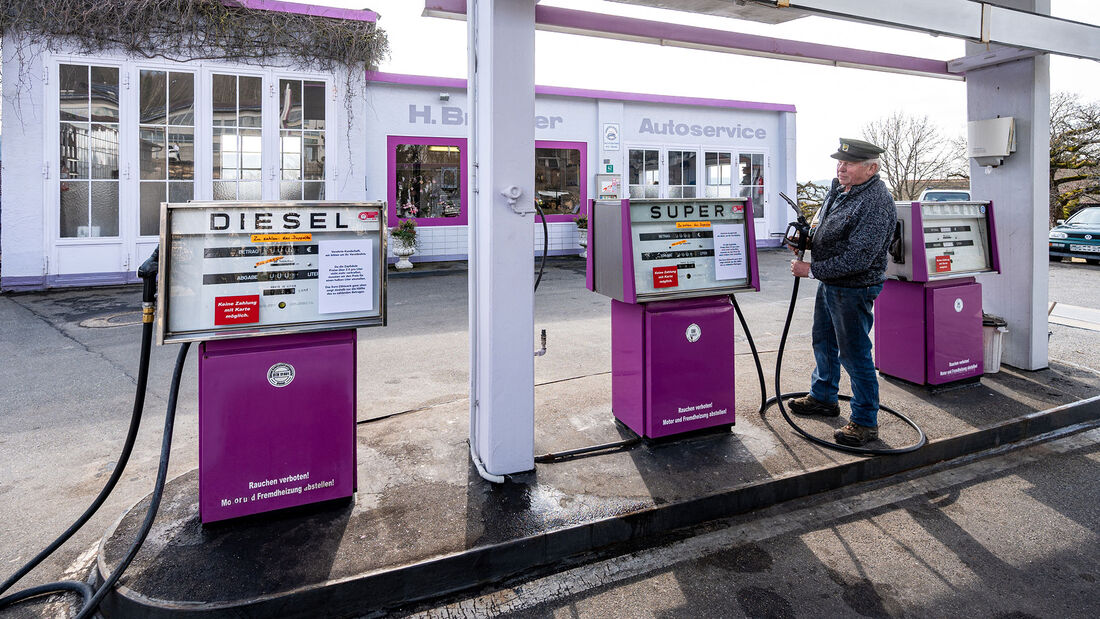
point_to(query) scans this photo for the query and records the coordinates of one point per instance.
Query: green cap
(856, 150)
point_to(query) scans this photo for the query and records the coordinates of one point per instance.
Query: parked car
(1077, 237)
(945, 195)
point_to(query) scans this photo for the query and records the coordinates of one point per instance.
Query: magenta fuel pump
(274, 292)
(669, 267)
(928, 318)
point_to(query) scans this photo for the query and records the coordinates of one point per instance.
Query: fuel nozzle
(148, 274)
(797, 236)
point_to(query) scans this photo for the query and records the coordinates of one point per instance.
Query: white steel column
(1019, 190)
(501, 225)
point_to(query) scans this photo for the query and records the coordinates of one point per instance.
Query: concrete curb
(388, 589)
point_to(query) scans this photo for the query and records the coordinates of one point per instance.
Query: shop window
(237, 143)
(681, 173)
(302, 139)
(428, 180)
(558, 174)
(750, 169)
(166, 143)
(718, 170)
(89, 151)
(644, 179)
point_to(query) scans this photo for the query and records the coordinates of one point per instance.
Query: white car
(945, 195)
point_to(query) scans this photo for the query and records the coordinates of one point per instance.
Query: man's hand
(800, 268)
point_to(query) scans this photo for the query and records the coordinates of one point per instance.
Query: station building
(94, 143)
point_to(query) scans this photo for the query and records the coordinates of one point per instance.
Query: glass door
(752, 169)
(85, 234)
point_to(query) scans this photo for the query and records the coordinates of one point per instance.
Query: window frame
(666, 170)
(582, 172)
(391, 178)
(662, 174)
(328, 134)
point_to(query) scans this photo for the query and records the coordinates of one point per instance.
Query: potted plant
(403, 238)
(582, 234)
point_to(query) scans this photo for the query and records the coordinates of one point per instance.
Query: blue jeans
(841, 336)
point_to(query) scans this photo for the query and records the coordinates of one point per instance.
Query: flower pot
(403, 251)
(582, 240)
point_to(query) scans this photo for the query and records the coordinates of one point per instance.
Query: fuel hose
(90, 598)
(766, 403)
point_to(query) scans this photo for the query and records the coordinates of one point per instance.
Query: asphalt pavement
(70, 360)
(1007, 535)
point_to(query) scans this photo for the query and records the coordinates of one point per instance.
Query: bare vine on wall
(184, 30)
(195, 30)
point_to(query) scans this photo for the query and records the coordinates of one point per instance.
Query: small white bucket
(993, 345)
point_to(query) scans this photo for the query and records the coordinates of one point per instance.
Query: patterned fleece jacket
(850, 243)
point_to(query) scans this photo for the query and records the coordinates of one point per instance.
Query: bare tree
(1074, 154)
(917, 153)
(810, 197)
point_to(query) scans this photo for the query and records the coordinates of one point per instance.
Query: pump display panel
(238, 269)
(651, 250)
(944, 240)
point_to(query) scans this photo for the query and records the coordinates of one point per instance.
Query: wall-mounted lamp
(444, 96)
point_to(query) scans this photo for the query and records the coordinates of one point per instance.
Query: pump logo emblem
(958, 305)
(693, 333)
(280, 374)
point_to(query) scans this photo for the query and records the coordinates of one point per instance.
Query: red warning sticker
(943, 263)
(665, 277)
(239, 310)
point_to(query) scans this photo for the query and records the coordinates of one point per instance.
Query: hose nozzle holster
(148, 274)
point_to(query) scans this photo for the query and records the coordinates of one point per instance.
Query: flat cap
(856, 150)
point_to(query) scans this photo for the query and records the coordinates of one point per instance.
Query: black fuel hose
(148, 274)
(158, 490)
(545, 244)
(778, 399)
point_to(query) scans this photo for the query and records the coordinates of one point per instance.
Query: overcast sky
(434, 46)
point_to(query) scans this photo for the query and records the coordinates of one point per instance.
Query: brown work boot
(855, 435)
(808, 405)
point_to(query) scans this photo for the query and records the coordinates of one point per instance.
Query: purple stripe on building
(311, 10)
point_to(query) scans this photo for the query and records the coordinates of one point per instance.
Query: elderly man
(849, 253)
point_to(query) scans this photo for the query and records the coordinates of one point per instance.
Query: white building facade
(93, 144)
(660, 146)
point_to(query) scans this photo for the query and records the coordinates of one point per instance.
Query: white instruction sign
(730, 254)
(346, 276)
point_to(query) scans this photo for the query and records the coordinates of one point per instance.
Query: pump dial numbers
(693, 333)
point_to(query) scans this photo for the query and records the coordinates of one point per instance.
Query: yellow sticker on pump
(693, 224)
(282, 238)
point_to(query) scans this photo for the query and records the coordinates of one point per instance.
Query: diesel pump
(274, 303)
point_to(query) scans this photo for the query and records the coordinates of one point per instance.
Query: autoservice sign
(235, 269)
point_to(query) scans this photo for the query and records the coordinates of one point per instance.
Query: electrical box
(944, 240)
(654, 250)
(608, 186)
(990, 141)
(239, 269)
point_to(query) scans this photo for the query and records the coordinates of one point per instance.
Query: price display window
(237, 269)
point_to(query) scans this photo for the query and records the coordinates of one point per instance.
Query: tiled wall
(450, 242)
